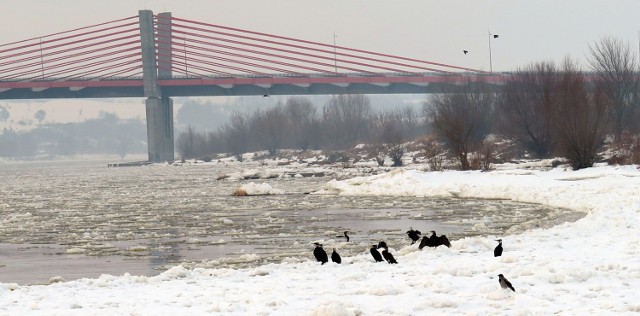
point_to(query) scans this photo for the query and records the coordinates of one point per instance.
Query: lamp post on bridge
(490, 60)
(335, 59)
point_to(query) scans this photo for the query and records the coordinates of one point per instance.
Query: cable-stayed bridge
(160, 56)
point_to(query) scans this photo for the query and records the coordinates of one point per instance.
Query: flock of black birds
(379, 256)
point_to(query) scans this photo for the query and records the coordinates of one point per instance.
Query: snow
(585, 267)
(253, 188)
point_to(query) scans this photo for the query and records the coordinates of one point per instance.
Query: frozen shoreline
(589, 266)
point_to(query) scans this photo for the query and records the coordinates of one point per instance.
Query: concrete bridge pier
(159, 108)
(160, 129)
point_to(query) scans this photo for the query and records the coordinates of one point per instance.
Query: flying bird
(504, 283)
(320, 254)
(335, 257)
(388, 256)
(375, 253)
(414, 235)
(497, 252)
(465, 51)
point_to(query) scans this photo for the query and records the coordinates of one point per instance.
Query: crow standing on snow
(504, 283)
(498, 251)
(414, 235)
(335, 257)
(320, 254)
(375, 253)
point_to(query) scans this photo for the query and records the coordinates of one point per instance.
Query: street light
(490, 61)
(335, 59)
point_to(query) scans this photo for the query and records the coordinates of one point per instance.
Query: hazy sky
(437, 31)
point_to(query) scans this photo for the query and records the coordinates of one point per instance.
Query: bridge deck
(389, 83)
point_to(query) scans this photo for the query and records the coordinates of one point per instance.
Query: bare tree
(615, 65)
(346, 119)
(525, 110)
(413, 124)
(462, 120)
(269, 129)
(185, 144)
(192, 144)
(215, 143)
(392, 128)
(302, 119)
(40, 115)
(236, 134)
(581, 117)
(4, 114)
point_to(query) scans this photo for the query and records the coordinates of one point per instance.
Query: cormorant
(498, 251)
(433, 238)
(414, 235)
(375, 253)
(382, 244)
(335, 257)
(504, 283)
(345, 235)
(434, 241)
(443, 240)
(320, 254)
(424, 242)
(388, 256)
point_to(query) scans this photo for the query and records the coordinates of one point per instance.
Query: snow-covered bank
(590, 266)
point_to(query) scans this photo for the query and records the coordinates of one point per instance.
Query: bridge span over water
(159, 56)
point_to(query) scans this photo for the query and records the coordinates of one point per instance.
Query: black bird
(388, 256)
(382, 244)
(425, 242)
(320, 254)
(498, 251)
(443, 240)
(433, 238)
(414, 235)
(335, 257)
(439, 240)
(345, 235)
(504, 283)
(375, 253)
(465, 51)
(434, 241)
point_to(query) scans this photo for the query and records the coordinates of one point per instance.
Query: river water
(78, 219)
